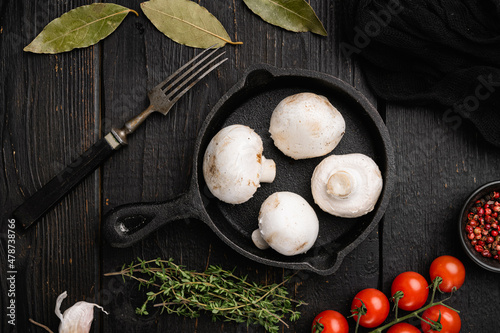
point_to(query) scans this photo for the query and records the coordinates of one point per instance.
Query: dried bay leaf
(186, 22)
(293, 15)
(80, 27)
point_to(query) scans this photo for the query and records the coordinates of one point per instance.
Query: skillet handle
(128, 224)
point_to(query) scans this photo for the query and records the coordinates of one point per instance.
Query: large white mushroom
(347, 185)
(287, 223)
(233, 165)
(306, 125)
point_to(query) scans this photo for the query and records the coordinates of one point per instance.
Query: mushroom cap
(306, 125)
(233, 164)
(347, 185)
(287, 223)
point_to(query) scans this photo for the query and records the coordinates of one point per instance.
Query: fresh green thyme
(219, 292)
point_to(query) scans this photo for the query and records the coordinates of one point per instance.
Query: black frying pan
(251, 102)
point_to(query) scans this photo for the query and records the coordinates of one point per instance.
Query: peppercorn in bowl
(479, 226)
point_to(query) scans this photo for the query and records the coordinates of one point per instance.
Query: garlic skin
(76, 319)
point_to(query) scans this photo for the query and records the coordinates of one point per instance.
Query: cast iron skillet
(251, 102)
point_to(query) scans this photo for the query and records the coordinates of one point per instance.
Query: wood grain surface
(53, 107)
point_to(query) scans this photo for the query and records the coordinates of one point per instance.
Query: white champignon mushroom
(306, 125)
(233, 165)
(287, 223)
(347, 185)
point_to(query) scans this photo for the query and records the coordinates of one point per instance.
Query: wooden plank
(438, 166)
(49, 117)
(155, 166)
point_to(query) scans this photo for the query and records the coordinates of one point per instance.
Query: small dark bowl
(486, 263)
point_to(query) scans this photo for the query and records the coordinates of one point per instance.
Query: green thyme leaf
(186, 22)
(293, 15)
(80, 27)
(218, 292)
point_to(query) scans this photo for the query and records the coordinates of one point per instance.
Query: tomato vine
(435, 325)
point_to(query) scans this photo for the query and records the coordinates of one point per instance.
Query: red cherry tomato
(403, 328)
(377, 307)
(450, 269)
(415, 290)
(331, 321)
(449, 319)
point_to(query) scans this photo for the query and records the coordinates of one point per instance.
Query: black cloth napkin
(444, 52)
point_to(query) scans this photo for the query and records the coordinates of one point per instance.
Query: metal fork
(164, 95)
(162, 98)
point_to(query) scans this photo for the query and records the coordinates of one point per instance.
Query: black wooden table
(53, 107)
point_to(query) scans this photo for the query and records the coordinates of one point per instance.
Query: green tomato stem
(395, 298)
(357, 323)
(408, 316)
(359, 311)
(435, 286)
(317, 326)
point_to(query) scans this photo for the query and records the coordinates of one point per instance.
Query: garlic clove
(78, 318)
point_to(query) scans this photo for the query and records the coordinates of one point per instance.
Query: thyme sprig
(217, 291)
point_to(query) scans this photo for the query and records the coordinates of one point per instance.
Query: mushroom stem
(258, 240)
(341, 184)
(268, 171)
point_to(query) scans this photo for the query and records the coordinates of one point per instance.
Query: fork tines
(209, 60)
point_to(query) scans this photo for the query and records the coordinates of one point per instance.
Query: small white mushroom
(306, 125)
(233, 165)
(347, 185)
(287, 223)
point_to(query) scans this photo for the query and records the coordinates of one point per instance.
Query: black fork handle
(51, 193)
